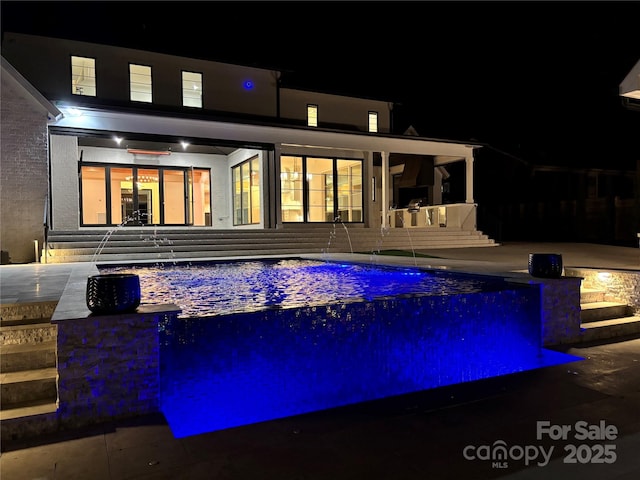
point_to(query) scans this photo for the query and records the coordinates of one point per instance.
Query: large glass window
(122, 196)
(192, 89)
(291, 189)
(94, 195)
(349, 190)
(320, 205)
(83, 76)
(173, 183)
(200, 197)
(140, 83)
(316, 189)
(246, 192)
(119, 195)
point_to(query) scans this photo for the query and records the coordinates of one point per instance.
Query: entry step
(597, 311)
(591, 295)
(612, 328)
(28, 410)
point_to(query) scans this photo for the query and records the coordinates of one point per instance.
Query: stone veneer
(619, 285)
(108, 365)
(559, 309)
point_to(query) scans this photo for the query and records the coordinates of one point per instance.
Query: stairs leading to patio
(149, 243)
(602, 319)
(28, 370)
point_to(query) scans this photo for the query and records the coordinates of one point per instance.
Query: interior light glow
(118, 140)
(248, 84)
(184, 145)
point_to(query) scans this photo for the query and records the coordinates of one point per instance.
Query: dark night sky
(537, 79)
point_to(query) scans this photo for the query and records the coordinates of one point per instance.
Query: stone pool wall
(109, 366)
(559, 308)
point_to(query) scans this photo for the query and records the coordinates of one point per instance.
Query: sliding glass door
(123, 195)
(316, 189)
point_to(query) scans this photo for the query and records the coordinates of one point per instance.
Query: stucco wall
(45, 62)
(23, 176)
(334, 109)
(64, 182)
(65, 154)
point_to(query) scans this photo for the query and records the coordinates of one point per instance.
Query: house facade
(98, 137)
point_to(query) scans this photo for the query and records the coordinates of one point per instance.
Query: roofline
(224, 117)
(53, 112)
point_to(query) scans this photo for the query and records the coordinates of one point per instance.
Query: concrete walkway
(438, 434)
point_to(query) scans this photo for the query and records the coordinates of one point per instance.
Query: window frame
(312, 115)
(236, 171)
(372, 124)
(184, 89)
(74, 88)
(131, 83)
(304, 190)
(160, 211)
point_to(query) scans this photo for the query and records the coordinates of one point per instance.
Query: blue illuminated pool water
(365, 333)
(204, 289)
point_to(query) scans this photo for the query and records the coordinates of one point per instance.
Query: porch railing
(455, 215)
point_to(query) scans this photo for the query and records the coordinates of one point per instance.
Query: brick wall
(23, 176)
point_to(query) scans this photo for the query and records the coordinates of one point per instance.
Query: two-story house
(98, 140)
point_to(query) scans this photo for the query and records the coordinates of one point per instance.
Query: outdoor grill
(414, 205)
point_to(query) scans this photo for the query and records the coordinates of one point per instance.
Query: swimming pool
(374, 332)
(203, 289)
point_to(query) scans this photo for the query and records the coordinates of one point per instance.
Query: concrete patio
(438, 434)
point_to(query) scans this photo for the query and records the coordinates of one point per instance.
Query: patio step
(597, 311)
(28, 371)
(27, 386)
(130, 244)
(591, 295)
(603, 319)
(611, 329)
(29, 356)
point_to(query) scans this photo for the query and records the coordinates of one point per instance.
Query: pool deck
(417, 436)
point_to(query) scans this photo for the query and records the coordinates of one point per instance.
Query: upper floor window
(83, 76)
(140, 83)
(312, 115)
(373, 122)
(192, 89)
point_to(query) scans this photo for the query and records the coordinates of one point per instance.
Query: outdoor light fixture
(118, 140)
(137, 151)
(184, 145)
(630, 86)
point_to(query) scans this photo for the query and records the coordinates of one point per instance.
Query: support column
(385, 190)
(469, 179)
(275, 204)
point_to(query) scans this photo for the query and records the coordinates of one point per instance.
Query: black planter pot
(113, 293)
(545, 265)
